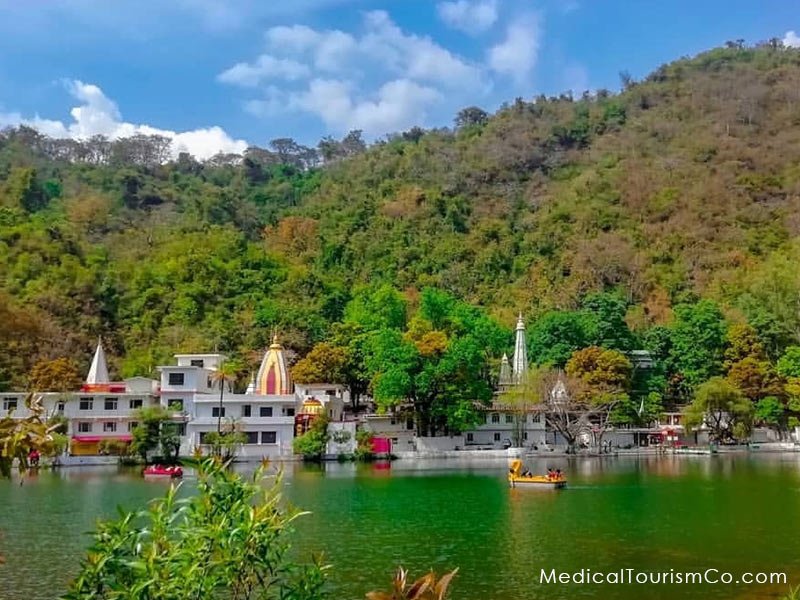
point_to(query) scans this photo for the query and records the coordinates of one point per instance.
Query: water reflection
(737, 513)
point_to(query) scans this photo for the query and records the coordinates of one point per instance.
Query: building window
(524, 435)
(410, 424)
(252, 437)
(289, 412)
(175, 405)
(246, 410)
(496, 437)
(176, 378)
(216, 411)
(470, 437)
(265, 411)
(132, 425)
(60, 406)
(392, 421)
(85, 404)
(109, 427)
(197, 362)
(135, 403)
(111, 404)
(510, 418)
(9, 403)
(269, 437)
(495, 417)
(204, 435)
(536, 418)
(84, 427)
(180, 429)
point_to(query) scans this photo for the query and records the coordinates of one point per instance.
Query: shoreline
(768, 448)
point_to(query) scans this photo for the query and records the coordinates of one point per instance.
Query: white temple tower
(519, 362)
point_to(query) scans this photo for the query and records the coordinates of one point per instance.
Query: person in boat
(558, 474)
(33, 458)
(550, 473)
(527, 473)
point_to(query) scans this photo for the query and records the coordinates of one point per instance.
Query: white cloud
(97, 114)
(397, 105)
(379, 80)
(413, 56)
(470, 16)
(326, 50)
(791, 40)
(265, 67)
(383, 46)
(516, 55)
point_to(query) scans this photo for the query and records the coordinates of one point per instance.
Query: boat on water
(163, 471)
(516, 478)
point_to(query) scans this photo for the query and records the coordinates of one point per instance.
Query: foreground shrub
(227, 541)
(424, 588)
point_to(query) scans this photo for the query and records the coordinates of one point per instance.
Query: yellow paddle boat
(517, 479)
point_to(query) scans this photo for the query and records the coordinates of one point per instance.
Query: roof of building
(98, 372)
(273, 375)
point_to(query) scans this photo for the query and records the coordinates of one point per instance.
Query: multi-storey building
(268, 413)
(101, 411)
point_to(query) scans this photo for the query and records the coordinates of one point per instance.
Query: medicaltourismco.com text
(670, 577)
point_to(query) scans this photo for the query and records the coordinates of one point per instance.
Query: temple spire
(519, 362)
(273, 376)
(251, 387)
(98, 372)
(505, 371)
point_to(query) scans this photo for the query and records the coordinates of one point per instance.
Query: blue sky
(219, 74)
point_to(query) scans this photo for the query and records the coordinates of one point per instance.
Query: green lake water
(732, 513)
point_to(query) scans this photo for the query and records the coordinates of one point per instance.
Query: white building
(266, 413)
(504, 423)
(101, 411)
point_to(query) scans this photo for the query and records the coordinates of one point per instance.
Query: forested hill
(685, 185)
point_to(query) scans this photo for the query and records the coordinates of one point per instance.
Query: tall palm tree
(226, 373)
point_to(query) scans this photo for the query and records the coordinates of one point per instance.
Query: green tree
(226, 373)
(325, 363)
(471, 116)
(224, 445)
(770, 411)
(154, 430)
(442, 373)
(354, 371)
(227, 541)
(722, 408)
(556, 335)
(376, 308)
(605, 376)
(789, 364)
(609, 329)
(522, 399)
(755, 378)
(743, 342)
(698, 341)
(314, 442)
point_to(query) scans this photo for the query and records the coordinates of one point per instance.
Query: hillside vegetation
(684, 186)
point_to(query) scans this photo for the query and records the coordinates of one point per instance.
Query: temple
(273, 377)
(519, 362)
(505, 378)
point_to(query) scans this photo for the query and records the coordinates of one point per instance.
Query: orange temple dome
(311, 406)
(273, 376)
